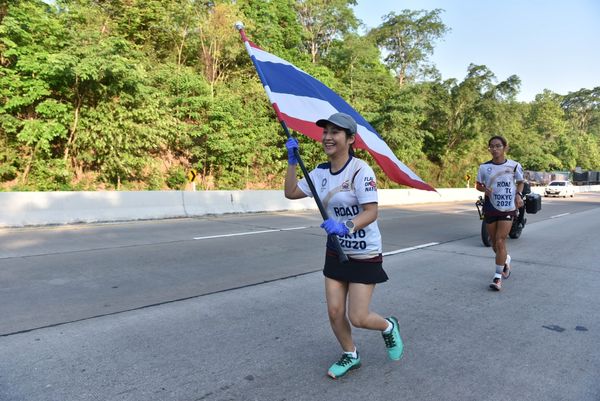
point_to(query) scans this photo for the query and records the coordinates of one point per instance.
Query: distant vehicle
(586, 178)
(560, 188)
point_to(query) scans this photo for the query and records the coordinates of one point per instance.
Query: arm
(361, 220)
(367, 216)
(520, 185)
(291, 189)
(482, 188)
(519, 198)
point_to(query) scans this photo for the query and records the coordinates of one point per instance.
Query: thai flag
(300, 100)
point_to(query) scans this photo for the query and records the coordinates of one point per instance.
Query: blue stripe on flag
(283, 78)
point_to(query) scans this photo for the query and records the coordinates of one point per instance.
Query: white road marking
(412, 248)
(250, 233)
(559, 215)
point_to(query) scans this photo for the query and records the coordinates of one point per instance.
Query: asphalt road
(232, 308)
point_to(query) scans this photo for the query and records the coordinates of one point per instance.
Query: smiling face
(335, 141)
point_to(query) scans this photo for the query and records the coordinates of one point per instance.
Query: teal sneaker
(393, 341)
(345, 364)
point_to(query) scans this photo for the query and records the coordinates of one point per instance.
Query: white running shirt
(502, 179)
(343, 195)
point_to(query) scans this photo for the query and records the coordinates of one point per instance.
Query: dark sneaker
(393, 341)
(343, 366)
(496, 284)
(506, 271)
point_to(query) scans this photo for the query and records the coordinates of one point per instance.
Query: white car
(560, 188)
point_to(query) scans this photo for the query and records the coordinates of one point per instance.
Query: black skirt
(364, 271)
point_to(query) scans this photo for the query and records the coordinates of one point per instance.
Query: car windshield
(557, 184)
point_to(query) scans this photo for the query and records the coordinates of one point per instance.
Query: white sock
(499, 270)
(508, 259)
(353, 354)
(389, 328)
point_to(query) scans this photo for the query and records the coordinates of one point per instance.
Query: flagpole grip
(342, 257)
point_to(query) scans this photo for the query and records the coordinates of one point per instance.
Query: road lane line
(412, 248)
(250, 233)
(559, 215)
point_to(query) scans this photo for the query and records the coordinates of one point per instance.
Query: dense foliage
(116, 94)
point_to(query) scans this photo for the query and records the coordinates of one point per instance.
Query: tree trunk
(29, 163)
(73, 128)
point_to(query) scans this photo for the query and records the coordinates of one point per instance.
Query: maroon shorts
(508, 216)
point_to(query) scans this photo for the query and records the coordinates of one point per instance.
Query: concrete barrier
(21, 209)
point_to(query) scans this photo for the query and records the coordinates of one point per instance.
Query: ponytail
(351, 148)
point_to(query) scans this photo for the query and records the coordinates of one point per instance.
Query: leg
(359, 300)
(336, 293)
(499, 241)
(491, 227)
(498, 231)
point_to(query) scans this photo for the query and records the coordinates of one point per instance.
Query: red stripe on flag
(307, 128)
(397, 175)
(252, 44)
(278, 112)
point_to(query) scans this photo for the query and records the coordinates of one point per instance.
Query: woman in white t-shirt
(348, 190)
(502, 181)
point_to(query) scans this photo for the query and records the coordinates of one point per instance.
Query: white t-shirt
(502, 179)
(343, 195)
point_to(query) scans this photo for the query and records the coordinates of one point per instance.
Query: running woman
(502, 181)
(347, 187)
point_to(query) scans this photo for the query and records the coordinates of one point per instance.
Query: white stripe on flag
(311, 109)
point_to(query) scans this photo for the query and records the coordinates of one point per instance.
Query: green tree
(407, 40)
(323, 21)
(273, 25)
(583, 107)
(218, 46)
(459, 118)
(546, 126)
(30, 118)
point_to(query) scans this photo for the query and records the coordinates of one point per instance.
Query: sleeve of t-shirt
(519, 176)
(303, 185)
(365, 185)
(479, 178)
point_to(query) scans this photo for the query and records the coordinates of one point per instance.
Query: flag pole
(343, 258)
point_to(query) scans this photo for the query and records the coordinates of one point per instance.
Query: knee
(358, 320)
(499, 243)
(336, 313)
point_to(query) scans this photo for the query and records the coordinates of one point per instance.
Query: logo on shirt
(346, 185)
(323, 184)
(370, 184)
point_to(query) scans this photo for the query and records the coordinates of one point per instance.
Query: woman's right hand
(290, 145)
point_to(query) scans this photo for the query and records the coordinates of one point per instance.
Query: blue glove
(291, 144)
(335, 227)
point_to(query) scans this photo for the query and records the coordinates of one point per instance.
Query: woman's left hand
(335, 227)
(519, 201)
